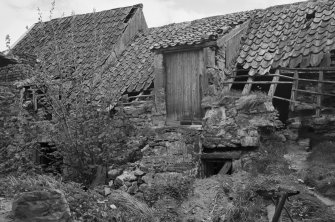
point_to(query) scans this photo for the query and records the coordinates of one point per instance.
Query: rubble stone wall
(9, 111)
(170, 153)
(234, 120)
(172, 149)
(9, 101)
(141, 115)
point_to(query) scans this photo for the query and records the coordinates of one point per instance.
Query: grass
(323, 153)
(270, 160)
(321, 171)
(87, 205)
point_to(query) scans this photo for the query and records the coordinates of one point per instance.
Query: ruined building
(207, 87)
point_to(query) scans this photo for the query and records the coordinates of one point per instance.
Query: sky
(18, 15)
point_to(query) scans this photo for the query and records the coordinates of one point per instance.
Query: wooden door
(183, 73)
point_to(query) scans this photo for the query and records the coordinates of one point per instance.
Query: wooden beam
(318, 81)
(273, 86)
(258, 82)
(315, 105)
(237, 30)
(319, 96)
(310, 69)
(294, 90)
(226, 167)
(183, 48)
(247, 86)
(222, 155)
(312, 92)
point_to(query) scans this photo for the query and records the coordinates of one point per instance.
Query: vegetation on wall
(63, 106)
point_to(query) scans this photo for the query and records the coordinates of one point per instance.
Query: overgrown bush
(84, 134)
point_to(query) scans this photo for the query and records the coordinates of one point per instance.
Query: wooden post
(247, 86)
(273, 86)
(319, 96)
(294, 92)
(33, 91)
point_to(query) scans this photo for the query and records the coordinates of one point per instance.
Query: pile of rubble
(131, 180)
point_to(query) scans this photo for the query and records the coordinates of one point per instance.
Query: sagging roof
(90, 37)
(294, 35)
(200, 30)
(134, 70)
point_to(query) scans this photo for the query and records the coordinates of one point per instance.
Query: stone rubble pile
(131, 180)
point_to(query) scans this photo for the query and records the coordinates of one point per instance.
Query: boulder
(148, 178)
(133, 188)
(107, 191)
(113, 173)
(41, 206)
(126, 176)
(138, 172)
(143, 187)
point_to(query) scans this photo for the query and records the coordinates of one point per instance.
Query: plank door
(183, 73)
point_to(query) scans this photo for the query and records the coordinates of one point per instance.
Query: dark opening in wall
(131, 13)
(282, 106)
(216, 166)
(49, 158)
(261, 87)
(332, 58)
(143, 95)
(239, 86)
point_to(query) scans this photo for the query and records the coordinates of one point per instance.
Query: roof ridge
(88, 13)
(295, 4)
(204, 18)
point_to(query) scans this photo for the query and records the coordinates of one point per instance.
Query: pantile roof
(91, 38)
(200, 30)
(134, 70)
(295, 35)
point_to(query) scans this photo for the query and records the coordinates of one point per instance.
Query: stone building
(194, 82)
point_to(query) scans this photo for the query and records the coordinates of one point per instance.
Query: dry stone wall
(234, 120)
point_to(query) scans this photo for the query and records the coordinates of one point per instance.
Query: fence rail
(293, 77)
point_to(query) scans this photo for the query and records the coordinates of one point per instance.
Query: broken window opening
(130, 15)
(130, 98)
(49, 158)
(35, 102)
